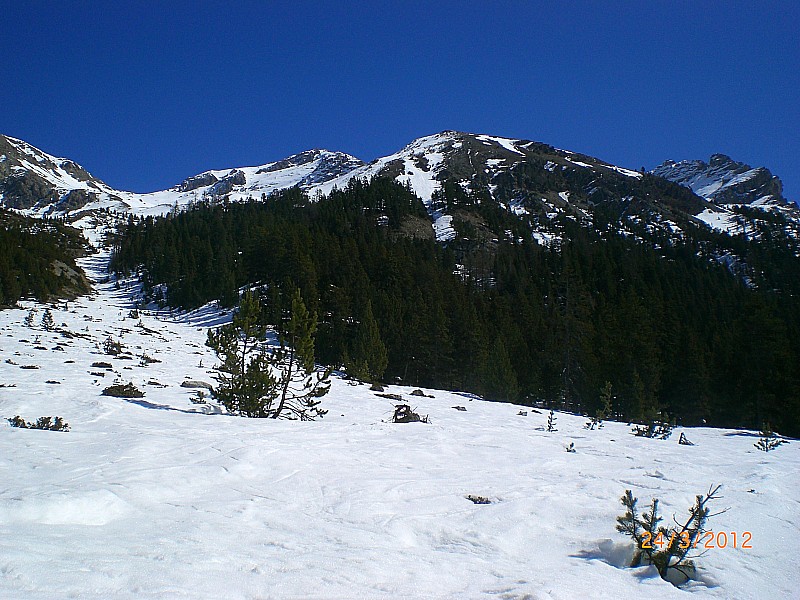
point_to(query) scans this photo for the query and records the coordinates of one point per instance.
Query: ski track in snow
(161, 498)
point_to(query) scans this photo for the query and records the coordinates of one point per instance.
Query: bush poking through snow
(571, 447)
(46, 423)
(551, 422)
(658, 427)
(769, 441)
(404, 414)
(48, 323)
(667, 549)
(119, 390)
(605, 411)
(478, 499)
(684, 441)
(112, 347)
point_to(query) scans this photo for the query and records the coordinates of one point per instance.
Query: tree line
(503, 316)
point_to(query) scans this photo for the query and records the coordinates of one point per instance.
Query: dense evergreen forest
(498, 314)
(37, 259)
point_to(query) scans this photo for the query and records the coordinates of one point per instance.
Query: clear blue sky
(144, 94)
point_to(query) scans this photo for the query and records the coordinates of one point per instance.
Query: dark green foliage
(499, 379)
(37, 259)
(478, 499)
(366, 359)
(120, 390)
(658, 427)
(301, 384)
(666, 548)
(768, 441)
(247, 385)
(112, 347)
(499, 315)
(605, 410)
(48, 324)
(47, 423)
(258, 381)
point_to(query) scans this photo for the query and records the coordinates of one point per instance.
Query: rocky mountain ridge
(725, 181)
(537, 182)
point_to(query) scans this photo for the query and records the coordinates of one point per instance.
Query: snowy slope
(306, 170)
(162, 498)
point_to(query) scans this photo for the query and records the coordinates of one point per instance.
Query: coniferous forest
(37, 259)
(498, 315)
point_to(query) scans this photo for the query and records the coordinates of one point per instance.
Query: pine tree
(551, 422)
(768, 441)
(499, 378)
(300, 383)
(48, 323)
(367, 358)
(665, 548)
(246, 384)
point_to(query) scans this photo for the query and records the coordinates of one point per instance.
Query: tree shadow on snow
(207, 409)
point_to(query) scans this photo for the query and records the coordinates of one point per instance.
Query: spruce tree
(246, 384)
(367, 358)
(499, 377)
(300, 383)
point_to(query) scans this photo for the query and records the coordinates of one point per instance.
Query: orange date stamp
(707, 540)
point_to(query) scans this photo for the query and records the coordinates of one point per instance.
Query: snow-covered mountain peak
(725, 181)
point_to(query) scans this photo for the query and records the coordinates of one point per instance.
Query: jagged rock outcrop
(725, 181)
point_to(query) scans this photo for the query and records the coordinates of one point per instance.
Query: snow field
(161, 498)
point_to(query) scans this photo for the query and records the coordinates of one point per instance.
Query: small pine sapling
(684, 441)
(48, 323)
(659, 427)
(45, 423)
(605, 411)
(112, 347)
(551, 422)
(667, 549)
(769, 441)
(29, 318)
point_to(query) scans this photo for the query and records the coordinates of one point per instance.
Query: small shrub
(112, 347)
(659, 427)
(119, 390)
(571, 447)
(551, 422)
(30, 317)
(48, 324)
(667, 549)
(145, 360)
(404, 414)
(478, 499)
(605, 410)
(46, 423)
(684, 441)
(769, 441)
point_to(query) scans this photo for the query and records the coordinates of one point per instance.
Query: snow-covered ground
(161, 498)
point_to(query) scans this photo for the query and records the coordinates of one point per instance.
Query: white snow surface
(165, 499)
(720, 220)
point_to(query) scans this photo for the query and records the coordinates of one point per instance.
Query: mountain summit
(725, 181)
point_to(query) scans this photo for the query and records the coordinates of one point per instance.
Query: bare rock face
(31, 178)
(192, 183)
(725, 181)
(225, 185)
